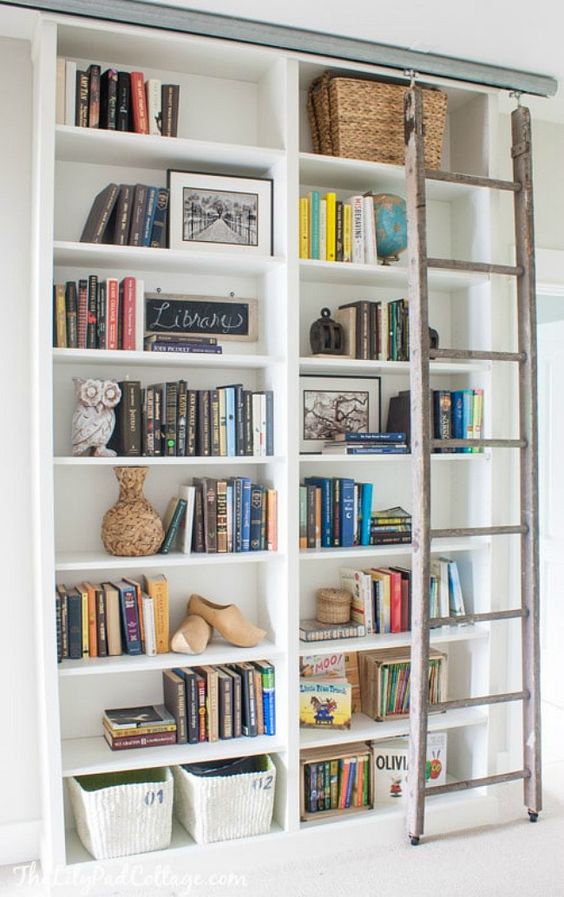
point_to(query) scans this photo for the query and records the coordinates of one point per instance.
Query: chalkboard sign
(225, 318)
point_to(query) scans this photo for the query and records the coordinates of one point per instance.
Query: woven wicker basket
(362, 119)
(333, 606)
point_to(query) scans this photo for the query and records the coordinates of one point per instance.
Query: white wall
(19, 800)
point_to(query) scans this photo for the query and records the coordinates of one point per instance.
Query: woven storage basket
(333, 606)
(217, 808)
(362, 119)
(122, 813)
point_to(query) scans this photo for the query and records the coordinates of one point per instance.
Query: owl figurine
(94, 418)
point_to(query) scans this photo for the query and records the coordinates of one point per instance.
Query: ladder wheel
(414, 840)
(533, 816)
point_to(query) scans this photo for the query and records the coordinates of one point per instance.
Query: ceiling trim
(189, 21)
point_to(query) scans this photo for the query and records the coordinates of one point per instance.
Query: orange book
(344, 783)
(272, 520)
(92, 626)
(139, 103)
(157, 588)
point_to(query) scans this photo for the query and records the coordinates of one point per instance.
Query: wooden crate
(371, 664)
(333, 752)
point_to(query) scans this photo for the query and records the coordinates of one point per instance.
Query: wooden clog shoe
(228, 620)
(192, 636)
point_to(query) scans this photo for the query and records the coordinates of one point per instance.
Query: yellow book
(325, 704)
(157, 588)
(477, 416)
(347, 232)
(304, 227)
(85, 640)
(331, 200)
(60, 315)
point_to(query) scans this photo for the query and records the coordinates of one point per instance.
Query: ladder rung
(477, 355)
(498, 779)
(486, 617)
(456, 532)
(472, 180)
(481, 701)
(479, 267)
(479, 443)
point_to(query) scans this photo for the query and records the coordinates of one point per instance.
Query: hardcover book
(325, 703)
(391, 766)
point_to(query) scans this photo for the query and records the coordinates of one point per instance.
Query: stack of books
(138, 727)
(375, 331)
(366, 444)
(172, 420)
(458, 414)
(180, 342)
(333, 784)
(128, 215)
(385, 681)
(112, 618)
(221, 701)
(390, 526)
(96, 313)
(335, 231)
(115, 101)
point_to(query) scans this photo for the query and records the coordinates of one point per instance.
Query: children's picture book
(327, 665)
(325, 703)
(391, 766)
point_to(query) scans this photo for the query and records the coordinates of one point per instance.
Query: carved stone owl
(94, 418)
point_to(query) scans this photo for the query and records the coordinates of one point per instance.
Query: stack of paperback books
(96, 313)
(138, 727)
(391, 526)
(181, 343)
(366, 444)
(128, 215)
(115, 101)
(221, 701)
(376, 331)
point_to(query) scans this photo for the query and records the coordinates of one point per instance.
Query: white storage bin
(123, 813)
(220, 807)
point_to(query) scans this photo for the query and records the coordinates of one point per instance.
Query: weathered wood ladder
(422, 443)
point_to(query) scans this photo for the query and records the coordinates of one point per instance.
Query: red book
(395, 599)
(82, 313)
(139, 103)
(127, 292)
(139, 741)
(112, 313)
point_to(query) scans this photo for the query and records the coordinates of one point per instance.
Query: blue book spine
(158, 232)
(314, 227)
(457, 405)
(256, 516)
(269, 422)
(347, 513)
(377, 450)
(373, 437)
(350, 783)
(467, 416)
(150, 210)
(245, 514)
(230, 420)
(365, 511)
(326, 508)
(129, 619)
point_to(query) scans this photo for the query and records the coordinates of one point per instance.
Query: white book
(350, 580)
(153, 88)
(70, 92)
(256, 421)
(263, 425)
(149, 625)
(357, 239)
(444, 598)
(370, 257)
(188, 493)
(367, 592)
(60, 91)
(139, 313)
(323, 230)
(456, 599)
(383, 354)
(391, 767)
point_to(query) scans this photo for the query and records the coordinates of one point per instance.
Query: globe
(390, 218)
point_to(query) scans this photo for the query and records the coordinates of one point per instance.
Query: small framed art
(219, 213)
(336, 404)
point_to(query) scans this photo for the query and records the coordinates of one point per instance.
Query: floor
(511, 859)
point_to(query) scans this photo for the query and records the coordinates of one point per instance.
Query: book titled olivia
(391, 766)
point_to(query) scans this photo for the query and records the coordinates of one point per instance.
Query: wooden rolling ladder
(422, 443)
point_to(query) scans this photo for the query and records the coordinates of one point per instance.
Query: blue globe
(390, 217)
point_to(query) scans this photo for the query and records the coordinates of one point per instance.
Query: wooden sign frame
(191, 315)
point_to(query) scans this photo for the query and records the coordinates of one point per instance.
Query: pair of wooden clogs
(194, 633)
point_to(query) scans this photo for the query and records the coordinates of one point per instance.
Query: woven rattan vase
(132, 528)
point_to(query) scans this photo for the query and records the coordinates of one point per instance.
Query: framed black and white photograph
(331, 405)
(219, 213)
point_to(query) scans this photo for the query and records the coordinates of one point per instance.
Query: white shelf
(365, 729)
(332, 364)
(315, 271)
(440, 635)
(217, 651)
(360, 553)
(99, 560)
(129, 150)
(105, 358)
(84, 756)
(144, 461)
(143, 258)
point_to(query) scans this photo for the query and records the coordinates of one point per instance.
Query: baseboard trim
(19, 842)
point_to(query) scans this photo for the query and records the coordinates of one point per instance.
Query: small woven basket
(121, 813)
(362, 119)
(333, 606)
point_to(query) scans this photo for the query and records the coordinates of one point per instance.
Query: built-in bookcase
(242, 111)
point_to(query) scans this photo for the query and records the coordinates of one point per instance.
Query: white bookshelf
(243, 112)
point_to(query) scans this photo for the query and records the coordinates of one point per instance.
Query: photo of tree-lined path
(215, 216)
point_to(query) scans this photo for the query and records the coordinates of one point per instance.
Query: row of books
(221, 701)
(335, 231)
(458, 414)
(366, 444)
(172, 420)
(112, 618)
(128, 215)
(339, 783)
(96, 313)
(382, 595)
(336, 512)
(115, 100)
(375, 331)
(385, 679)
